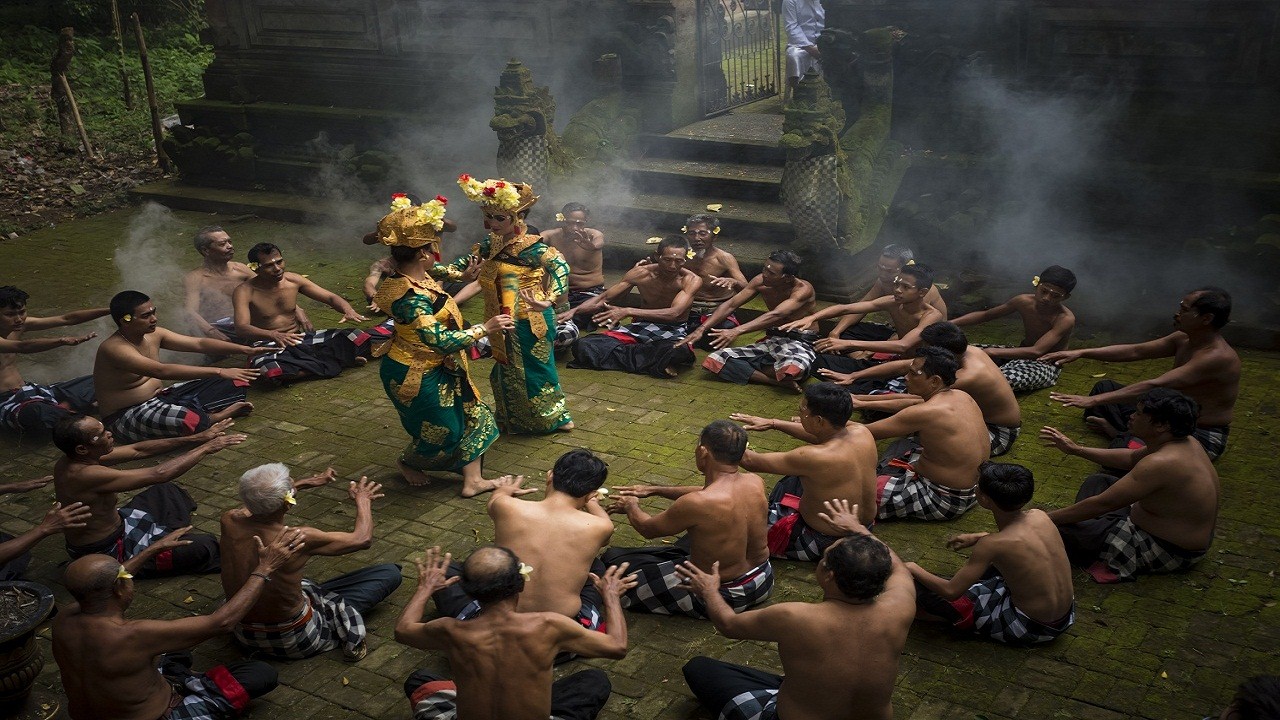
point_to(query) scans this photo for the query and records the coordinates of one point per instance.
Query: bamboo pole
(124, 73)
(156, 131)
(75, 113)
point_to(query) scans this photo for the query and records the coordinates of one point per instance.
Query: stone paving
(1164, 647)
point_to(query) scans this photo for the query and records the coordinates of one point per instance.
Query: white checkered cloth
(29, 393)
(1027, 375)
(783, 357)
(660, 593)
(138, 531)
(1002, 437)
(180, 409)
(203, 698)
(276, 364)
(759, 704)
(589, 616)
(438, 701)
(324, 623)
(903, 494)
(1214, 440)
(994, 615)
(1130, 551)
(645, 331)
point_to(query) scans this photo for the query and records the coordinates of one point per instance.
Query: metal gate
(739, 53)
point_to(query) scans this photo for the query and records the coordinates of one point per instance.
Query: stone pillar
(522, 118)
(810, 180)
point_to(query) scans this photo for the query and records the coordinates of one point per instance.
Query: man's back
(558, 541)
(103, 672)
(282, 597)
(731, 527)
(980, 377)
(842, 467)
(953, 437)
(1033, 561)
(502, 664)
(1182, 505)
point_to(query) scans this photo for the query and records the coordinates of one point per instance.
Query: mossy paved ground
(1164, 647)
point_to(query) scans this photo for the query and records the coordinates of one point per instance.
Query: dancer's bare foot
(1101, 426)
(414, 477)
(361, 361)
(236, 410)
(473, 487)
(566, 427)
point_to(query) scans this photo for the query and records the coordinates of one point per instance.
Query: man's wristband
(261, 575)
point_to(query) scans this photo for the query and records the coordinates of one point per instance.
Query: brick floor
(1165, 647)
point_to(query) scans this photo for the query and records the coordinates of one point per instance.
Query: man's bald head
(92, 578)
(491, 574)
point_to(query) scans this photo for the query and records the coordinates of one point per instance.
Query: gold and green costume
(424, 371)
(526, 386)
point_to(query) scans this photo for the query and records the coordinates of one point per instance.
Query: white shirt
(803, 20)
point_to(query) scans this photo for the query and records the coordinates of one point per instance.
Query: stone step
(709, 178)
(765, 221)
(760, 151)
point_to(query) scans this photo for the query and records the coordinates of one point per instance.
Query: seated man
(583, 248)
(778, 359)
(718, 269)
(208, 288)
(932, 473)
(906, 307)
(1016, 586)
(266, 313)
(84, 475)
(32, 408)
(15, 552)
(724, 525)
(646, 346)
(559, 536)
(839, 462)
(892, 259)
(297, 618)
(502, 659)
(1161, 515)
(114, 667)
(1046, 328)
(1205, 367)
(978, 375)
(129, 377)
(839, 655)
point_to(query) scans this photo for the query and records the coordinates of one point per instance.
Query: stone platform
(1164, 648)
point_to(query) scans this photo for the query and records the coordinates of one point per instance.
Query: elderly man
(645, 346)
(84, 474)
(718, 269)
(780, 358)
(502, 659)
(1205, 367)
(838, 462)
(839, 655)
(892, 259)
(129, 377)
(583, 249)
(27, 407)
(932, 473)
(723, 526)
(558, 536)
(116, 667)
(1159, 517)
(265, 308)
(297, 618)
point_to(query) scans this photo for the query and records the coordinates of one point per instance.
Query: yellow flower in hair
(1035, 281)
(911, 262)
(684, 228)
(290, 497)
(559, 217)
(716, 231)
(127, 317)
(689, 254)
(526, 571)
(602, 493)
(253, 266)
(123, 574)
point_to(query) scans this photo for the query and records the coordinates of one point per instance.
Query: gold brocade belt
(498, 298)
(419, 358)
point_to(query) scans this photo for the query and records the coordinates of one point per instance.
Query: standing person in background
(803, 20)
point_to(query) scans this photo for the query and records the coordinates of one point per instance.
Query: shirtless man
(558, 536)
(1205, 367)
(1046, 328)
(502, 659)
(978, 376)
(785, 358)
(109, 663)
(892, 259)
(718, 269)
(296, 618)
(84, 475)
(932, 472)
(667, 289)
(27, 407)
(1161, 515)
(129, 377)
(1016, 586)
(840, 655)
(266, 313)
(839, 462)
(724, 525)
(906, 307)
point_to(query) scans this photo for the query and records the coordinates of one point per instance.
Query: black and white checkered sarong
(436, 700)
(343, 345)
(987, 609)
(1002, 437)
(29, 393)
(645, 331)
(904, 494)
(180, 409)
(782, 357)
(324, 623)
(138, 531)
(1027, 375)
(214, 695)
(759, 704)
(659, 591)
(1130, 550)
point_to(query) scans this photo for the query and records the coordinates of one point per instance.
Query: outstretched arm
(724, 310)
(363, 493)
(410, 629)
(151, 448)
(75, 317)
(977, 317)
(332, 299)
(35, 345)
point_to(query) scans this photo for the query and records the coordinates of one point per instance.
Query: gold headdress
(414, 226)
(504, 195)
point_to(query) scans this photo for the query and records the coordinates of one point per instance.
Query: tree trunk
(59, 66)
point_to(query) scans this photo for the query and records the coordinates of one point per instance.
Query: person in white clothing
(803, 20)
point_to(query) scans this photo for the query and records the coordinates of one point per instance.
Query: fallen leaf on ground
(715, 207)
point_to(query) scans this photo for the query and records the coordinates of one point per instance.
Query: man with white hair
(296, 618)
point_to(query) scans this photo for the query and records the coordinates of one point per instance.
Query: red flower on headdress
(464, 178)
(398, 195)
(442, 200)
(499, 184)
(490, 191)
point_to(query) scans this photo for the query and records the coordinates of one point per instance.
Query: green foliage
(95, 15)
